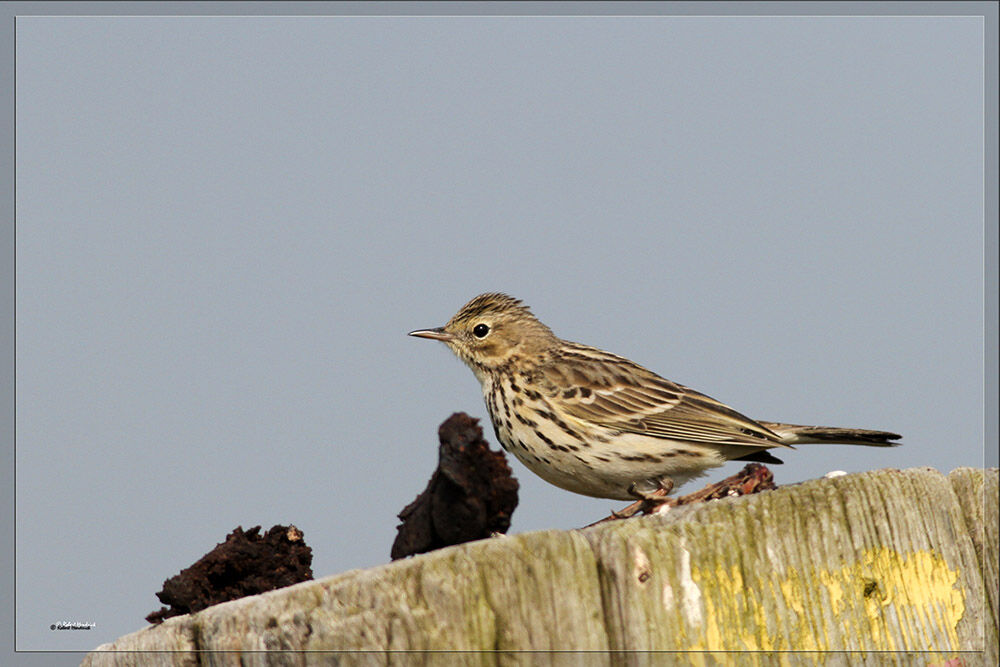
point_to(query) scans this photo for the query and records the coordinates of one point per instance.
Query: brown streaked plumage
(598, 424)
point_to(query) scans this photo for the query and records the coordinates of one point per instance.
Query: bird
(597, 424)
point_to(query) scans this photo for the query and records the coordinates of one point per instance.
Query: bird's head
(490, 330)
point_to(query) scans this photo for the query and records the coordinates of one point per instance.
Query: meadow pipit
(598, 424)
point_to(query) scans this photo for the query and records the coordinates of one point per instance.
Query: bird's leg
(658, 500)
(649, 501)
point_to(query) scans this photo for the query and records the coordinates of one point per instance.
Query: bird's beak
(436, 334)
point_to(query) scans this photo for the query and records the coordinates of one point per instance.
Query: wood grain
(886, 567)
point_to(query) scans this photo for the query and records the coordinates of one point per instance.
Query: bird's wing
(613, 392)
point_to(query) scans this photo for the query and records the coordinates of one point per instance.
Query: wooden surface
(887, 567)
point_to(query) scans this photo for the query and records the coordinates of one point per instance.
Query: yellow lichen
(919, 588)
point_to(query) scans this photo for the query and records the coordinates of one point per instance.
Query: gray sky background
(227, 226)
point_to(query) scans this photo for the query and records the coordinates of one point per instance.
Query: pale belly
(561, 455)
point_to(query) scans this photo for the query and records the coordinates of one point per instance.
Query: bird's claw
(649, 502)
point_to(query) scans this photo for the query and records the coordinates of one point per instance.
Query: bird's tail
(794, 434)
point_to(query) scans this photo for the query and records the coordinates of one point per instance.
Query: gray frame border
(9, 10)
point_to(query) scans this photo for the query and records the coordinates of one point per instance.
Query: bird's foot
(754, 478)
(649, 502)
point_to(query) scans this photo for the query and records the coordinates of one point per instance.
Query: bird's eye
(480, 331)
